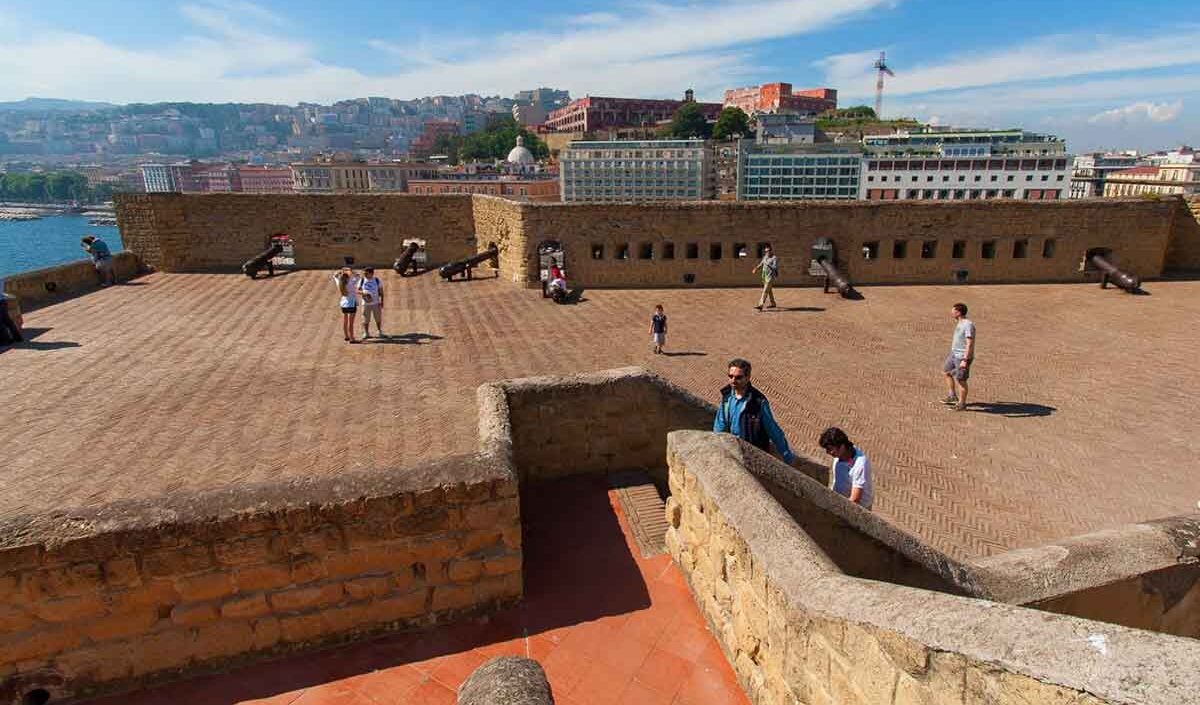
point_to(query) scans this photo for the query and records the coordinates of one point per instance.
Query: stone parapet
(1183, 254)
(795, 628)
(41, 286)
(135, 592)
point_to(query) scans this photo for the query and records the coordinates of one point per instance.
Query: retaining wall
(1183, 254)
(141, 591)
(795, 628)
(40, 286)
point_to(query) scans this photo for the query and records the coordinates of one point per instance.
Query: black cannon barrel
(263, 259)
(404, 264)
(838, 280)
(1109, 272)
(451, 269)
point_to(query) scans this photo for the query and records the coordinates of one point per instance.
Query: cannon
(1109, 272)
(464, 266)
(253, 266)
(411, 261)
(838, 280)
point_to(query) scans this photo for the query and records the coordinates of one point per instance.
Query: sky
(1104, 75)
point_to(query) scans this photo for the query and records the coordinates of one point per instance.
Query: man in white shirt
(371, 291)
(770, 272)
(957, 367)
(850, 475)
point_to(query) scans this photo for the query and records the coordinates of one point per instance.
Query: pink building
(265, 179)
(215, 178)
(596, 113)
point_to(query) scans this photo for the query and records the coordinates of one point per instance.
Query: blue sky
(1104, 75)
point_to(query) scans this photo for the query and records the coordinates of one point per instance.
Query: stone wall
(13, 304)
(797, 629)
(657, 245)
(1143, 575)
(596, 423)
(500, 220)
(135, 592)
(718, 243)
(41, 286)
(218, 232)
(1184, 251)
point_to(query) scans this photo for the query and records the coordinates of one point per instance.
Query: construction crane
(881, 65)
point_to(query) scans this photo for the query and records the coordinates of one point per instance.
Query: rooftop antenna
(881, 65)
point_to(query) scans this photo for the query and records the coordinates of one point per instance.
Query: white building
(167, 178)
(637, 170)
(1090, 171)
(964, 165)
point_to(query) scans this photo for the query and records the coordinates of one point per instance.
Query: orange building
(779, 97)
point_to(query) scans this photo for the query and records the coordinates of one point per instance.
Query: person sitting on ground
(10, 331)
(101, 258)
(850, 475)
(744, 412)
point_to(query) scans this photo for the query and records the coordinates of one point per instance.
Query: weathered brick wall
(1184, 252)
(1137, 231)
(597, 423)
(796, 629)
(41, 286)
(218, 232)
(131, 592)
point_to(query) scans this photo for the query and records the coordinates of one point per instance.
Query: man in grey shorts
(957, 367)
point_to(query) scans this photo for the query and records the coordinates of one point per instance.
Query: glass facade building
(791, 174)
(637, 170)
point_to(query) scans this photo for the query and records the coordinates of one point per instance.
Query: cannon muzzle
(464, 266)
(834, 277)
(1110, 273)
(252, 267)
(406, 264)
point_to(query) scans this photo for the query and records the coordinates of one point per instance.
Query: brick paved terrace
(1080, 417)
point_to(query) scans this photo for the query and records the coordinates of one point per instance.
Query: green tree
(689, 121)
(732, 121)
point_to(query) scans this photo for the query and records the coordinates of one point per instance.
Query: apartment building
(595, 113)
(798, 171)
(1166, 180)
(265, 179)
(522, 187)
(964, 164)
(1089, 172)
(637, 170)
(779, 97)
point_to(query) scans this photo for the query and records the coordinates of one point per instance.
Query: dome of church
(520, 154)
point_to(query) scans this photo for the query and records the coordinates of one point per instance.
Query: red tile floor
(607, 625)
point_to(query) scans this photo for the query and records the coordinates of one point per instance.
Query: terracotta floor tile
(564, 669)
(647, 625)
(540, 648)
(663, 672)
(638, 693)
(331, 694)
(625, 654)
(601, 685)
(288, 698)
(452, 670)
(509, 647)
(685, 640)
(388, 686)
(589, 638)
(709, 687)
(712, 658)
(432, 693)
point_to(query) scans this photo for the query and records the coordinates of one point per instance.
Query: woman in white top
(347, 285)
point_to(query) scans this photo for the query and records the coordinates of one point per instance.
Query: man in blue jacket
(745, 413)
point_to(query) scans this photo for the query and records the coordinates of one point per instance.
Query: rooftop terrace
(1079, 418)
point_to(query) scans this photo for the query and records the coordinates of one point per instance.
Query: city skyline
(1102, 77)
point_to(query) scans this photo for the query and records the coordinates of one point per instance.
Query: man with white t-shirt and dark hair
(957, 367)
(850, 475)
(370, 289)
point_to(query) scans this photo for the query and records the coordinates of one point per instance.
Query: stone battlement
(708, 243)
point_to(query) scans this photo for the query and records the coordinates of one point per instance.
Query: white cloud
(1142, 111)
(650, 49)
(1050, 57)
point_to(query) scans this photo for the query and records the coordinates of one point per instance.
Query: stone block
(465, 571)
(498, 588)
(501, 565)
(303, 598)
(248, 551)
(307, 569)
(339, 620)
(39, 643)
(267, 632)
(223, 639)
(263, 577)
(177, 561)
(368, 588)
(242, 607)
(401, 607)
(491, 514)
(205, 586)
(71, 609)
(452, 597)
(122, 625)
(15, 619)
(121, 572)
(191, 615)
(301, 628)
(67, 581)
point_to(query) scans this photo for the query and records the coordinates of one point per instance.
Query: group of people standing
(367, 288)
(745, 412)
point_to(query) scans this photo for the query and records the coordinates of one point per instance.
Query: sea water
(33, 244)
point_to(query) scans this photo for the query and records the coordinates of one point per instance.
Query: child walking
(658, 329)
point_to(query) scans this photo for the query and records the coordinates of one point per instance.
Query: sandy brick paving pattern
(188, 381)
